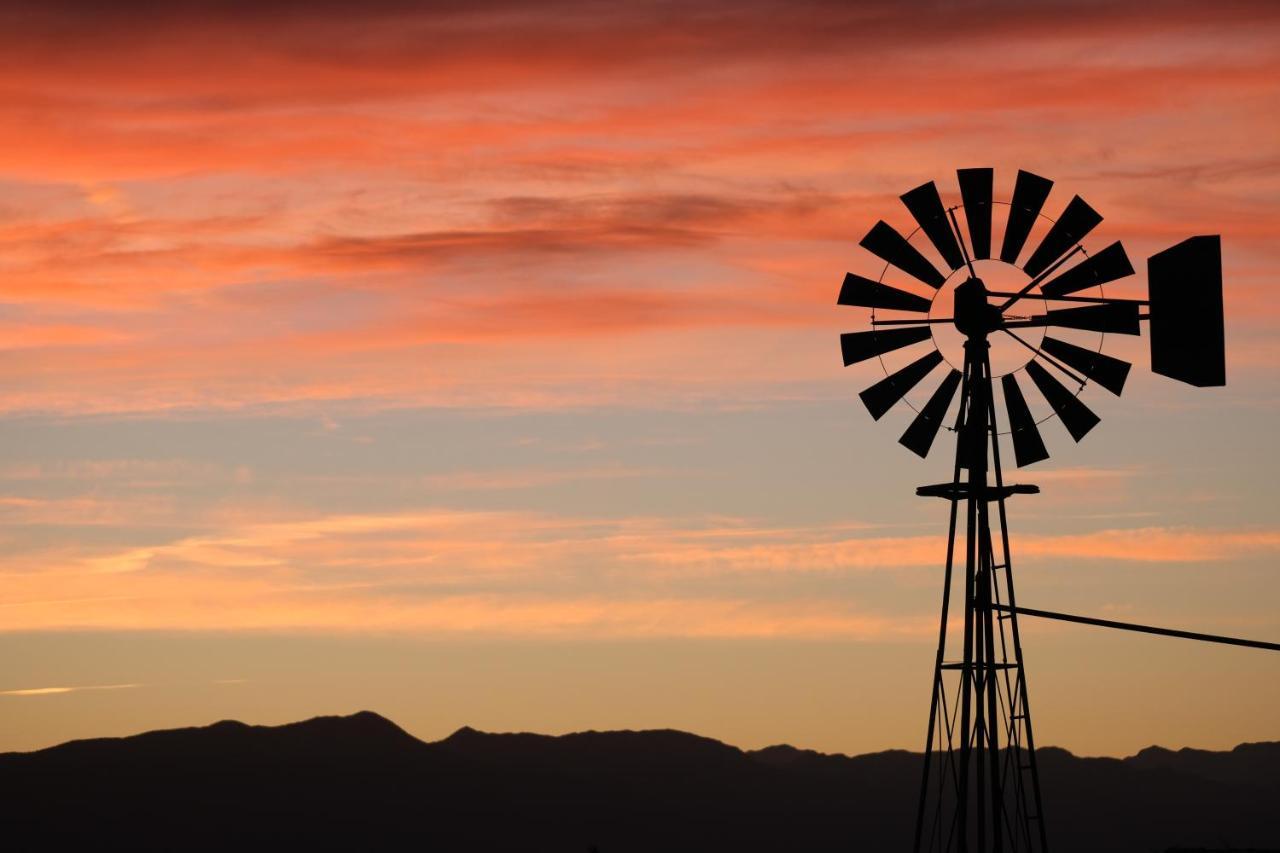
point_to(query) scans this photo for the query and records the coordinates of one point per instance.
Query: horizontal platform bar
(1145, 629)
(960, 491)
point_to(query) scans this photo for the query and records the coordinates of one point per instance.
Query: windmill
(1007, 343)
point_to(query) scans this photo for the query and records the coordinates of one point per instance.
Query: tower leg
(937, 693)
(980, 787)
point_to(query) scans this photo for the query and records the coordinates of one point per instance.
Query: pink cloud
(627, 197)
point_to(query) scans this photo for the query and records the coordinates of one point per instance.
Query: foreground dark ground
(362, 783)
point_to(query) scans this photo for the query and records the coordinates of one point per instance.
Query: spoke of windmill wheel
(857, 290)
(1108, 265)
(1028, 447)
(879, 398)
(860, 346)
(975, 194)
(919, 436)
(1029, 193)
(1031, 285)
(1076, 416)
(1076, 379)
(964, 253)
(926, 206)
(1119, 318)
(1072, 227)
(888, 245)
(1108, 372)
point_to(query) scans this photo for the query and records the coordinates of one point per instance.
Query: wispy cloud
(449, 571)
(1143, 544)
(50, 691)
(1154, 545)
(1086, 477)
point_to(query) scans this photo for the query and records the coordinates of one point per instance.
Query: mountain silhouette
(363, 783)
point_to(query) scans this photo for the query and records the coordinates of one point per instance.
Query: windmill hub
(974, 316)
(949, 308)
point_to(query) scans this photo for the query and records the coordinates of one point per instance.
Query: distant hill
(362, 783)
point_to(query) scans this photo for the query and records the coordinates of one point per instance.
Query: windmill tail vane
(945, 305)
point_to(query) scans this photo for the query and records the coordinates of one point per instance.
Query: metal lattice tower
(980, 787)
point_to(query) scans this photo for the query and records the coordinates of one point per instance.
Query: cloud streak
(52, 691)
(444, 571)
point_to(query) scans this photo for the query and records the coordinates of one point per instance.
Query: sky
(478, 364)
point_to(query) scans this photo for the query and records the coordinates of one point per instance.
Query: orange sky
(508, 323)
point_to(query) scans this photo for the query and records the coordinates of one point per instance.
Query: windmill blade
(926, 206)
(1108, 372)
(1187, 338)
(860, 346)
(1108, 265)
(975, 194)
(1029, 193)
(1120, 318)
(1076, 416)
(857, 290)
(879, 398)
(1028, 447)
(1076, 222)
(919, 436)
(888, 245)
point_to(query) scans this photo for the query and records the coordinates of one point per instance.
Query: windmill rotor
(1184, 308)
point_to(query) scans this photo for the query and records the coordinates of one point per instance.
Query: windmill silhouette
(980, 787)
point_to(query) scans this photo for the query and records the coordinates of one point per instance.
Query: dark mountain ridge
(362, 782)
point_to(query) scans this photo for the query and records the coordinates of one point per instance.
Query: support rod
(1105, 300)
(1146, 629)
(1049, 270)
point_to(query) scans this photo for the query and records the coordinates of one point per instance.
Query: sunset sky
(477, 364)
